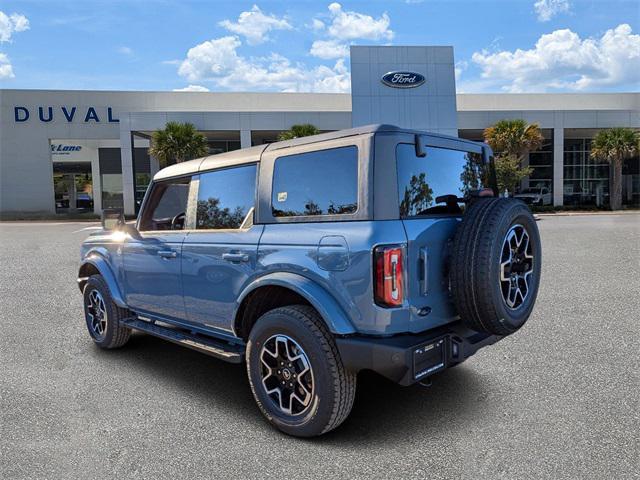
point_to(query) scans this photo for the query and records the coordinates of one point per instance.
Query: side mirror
(112, 219)
(131, 230)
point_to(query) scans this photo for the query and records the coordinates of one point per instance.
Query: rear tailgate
(427, 276)
(432, 183)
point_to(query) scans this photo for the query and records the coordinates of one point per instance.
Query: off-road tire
(475, 265)
(115, 334)
(334, 386)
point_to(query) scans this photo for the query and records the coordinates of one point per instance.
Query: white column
(126, 157)
(96, 183)
(245, 138)
(558, 166)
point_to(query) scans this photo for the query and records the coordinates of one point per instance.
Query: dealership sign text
(61, 149)
(403, 79)
(47, 114)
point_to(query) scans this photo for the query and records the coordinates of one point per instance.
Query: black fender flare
(101, 265)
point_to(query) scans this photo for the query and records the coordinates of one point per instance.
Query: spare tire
(495, 265)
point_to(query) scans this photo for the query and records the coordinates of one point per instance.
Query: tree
(614, 146)
(297, 131)
(514, 137)
(176, 143)
(418, 196)
(512, 141)
(210, 215)
(509, 172)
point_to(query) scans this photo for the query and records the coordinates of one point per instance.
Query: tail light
(388, 275)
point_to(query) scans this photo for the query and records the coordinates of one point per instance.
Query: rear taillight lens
(388, 275)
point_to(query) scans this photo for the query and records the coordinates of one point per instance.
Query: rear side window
(438, 182)
(167, 205)
(226, 198)
(324, 182)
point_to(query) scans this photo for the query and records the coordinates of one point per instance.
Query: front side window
(226, 198)
(167, 206)
(438, 182)
(324, 182)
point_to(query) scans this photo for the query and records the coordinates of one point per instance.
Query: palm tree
(514, 137)
(297, 131)
(614, 146)
(512, 141)
(176, 143)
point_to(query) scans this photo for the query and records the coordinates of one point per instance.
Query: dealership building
(66, 151)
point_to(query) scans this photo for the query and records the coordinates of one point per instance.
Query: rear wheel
(296, 373)
(103, 316)
(496, 265)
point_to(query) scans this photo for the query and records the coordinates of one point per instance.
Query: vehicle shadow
(382, 409)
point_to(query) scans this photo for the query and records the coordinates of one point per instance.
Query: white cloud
(10, 24)
(317, 25)
(329, 49)
(6, 70)
(547, 9)
(562, 60)
(125, 50)
(219, 62)
(460, 67)
(210, 59)
(344, 27)
(347, 25)
(192, 88)
(254, 25)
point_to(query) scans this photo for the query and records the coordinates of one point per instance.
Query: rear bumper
(409, 358)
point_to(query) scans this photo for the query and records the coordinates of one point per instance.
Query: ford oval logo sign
(403, 79)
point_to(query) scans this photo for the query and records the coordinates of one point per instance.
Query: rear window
(323, 182)
(438, 182)
(226, 198)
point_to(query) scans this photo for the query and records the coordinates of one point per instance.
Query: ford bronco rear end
(375, 248)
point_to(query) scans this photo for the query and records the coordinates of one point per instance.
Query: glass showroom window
(631, 182)
(111, 177)
(586, 181)
(541, 161)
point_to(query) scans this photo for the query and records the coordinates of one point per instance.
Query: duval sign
(47, 114)
(403, 79)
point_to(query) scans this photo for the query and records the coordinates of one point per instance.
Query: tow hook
(426, 382)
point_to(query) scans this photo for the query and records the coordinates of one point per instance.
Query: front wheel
(103, 316)
(296, 374)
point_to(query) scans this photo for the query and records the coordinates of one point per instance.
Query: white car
(535, 196)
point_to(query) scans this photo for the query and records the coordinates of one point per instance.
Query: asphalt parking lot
(558, 399)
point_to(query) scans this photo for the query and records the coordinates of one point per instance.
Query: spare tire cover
(495, 265)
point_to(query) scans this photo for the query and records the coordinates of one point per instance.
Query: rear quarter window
(324, 182)
(438, 182)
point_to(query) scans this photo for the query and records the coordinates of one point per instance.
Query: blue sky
(500, 46)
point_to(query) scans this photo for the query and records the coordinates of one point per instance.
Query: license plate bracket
(429, 358)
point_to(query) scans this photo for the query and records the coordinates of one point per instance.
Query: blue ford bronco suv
(376, 248)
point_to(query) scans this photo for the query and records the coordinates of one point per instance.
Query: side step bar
(216, 348)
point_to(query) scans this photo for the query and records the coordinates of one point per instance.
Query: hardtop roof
(253, 154)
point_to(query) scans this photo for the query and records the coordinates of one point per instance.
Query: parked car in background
(535, 196)
(84, 201)
(376, 248)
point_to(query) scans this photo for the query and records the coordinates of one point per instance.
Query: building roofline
(547, 101)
